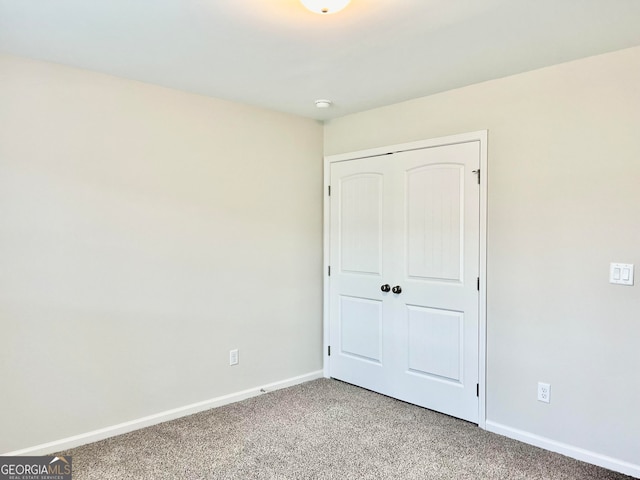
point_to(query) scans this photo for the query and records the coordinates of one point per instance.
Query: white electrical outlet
(233, 357)
(544, 392)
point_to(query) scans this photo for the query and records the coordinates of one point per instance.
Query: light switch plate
(233, 357)
(621, 273)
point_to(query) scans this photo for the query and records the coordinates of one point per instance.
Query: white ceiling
(276, 54)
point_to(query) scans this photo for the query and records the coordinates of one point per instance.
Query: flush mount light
(325, 6)
(323, 103)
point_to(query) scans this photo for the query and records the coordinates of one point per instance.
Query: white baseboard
(126, 427)
(565, 449)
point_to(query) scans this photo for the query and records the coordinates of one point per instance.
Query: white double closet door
(409, 221)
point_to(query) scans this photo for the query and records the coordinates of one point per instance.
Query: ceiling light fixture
(323, 103)
(325, 6)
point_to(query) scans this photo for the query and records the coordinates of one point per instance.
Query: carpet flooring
(324, 429)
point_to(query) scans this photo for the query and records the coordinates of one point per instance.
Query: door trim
(480, 136)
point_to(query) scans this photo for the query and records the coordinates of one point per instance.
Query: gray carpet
(323, 429)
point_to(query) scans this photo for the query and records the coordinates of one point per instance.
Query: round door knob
(385, 288)
(397, 289)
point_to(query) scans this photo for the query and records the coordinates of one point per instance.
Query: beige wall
(564, 202)
(145, 232)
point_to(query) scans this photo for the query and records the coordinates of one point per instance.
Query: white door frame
(480, 136)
